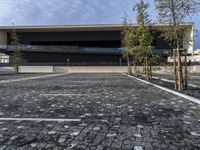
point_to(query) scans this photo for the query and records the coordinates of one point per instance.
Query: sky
(68, 12)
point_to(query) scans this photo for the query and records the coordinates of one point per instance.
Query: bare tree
(174, 12)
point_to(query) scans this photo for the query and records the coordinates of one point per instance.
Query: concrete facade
(79, 44)
(188, 41)
(3, 38)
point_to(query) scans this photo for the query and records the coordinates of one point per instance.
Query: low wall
(170, 69)
(6, 70)
(87, 69)
(98, 69)
(36, 69)
(195, 69)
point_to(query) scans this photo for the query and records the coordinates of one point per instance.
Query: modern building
(197, 52)
(78, 45)
(4, 59)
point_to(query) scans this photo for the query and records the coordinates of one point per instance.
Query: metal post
(68, 60)
(120, 62)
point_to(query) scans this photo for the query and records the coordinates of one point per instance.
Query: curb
(171, 81)
(190, 98)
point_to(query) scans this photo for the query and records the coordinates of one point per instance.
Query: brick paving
(115, 112)
(12, 76)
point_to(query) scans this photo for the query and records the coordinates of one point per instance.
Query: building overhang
(79, 28)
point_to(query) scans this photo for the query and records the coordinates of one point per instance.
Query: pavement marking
(92, 81)
(72, 85)
(190, 98)
(40, 119)
(88, 78)
(30, 78)
(64, 94)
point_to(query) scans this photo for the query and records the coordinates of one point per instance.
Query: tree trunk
(129, 65)
(150, 69)
(144, 72)
(186, 72)
(175, 71)
(16, 68)
(180, 75)
(146, 69)
(135, 68)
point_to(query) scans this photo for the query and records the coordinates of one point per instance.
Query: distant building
(4, 59)
(195, 58)
(77, 45)
(197, 52)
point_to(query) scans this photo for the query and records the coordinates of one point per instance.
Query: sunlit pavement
(95, 111)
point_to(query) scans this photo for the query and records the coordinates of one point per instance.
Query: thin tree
(126, 42)
(130, 43)
(144, 34)
(16, 55)
(174, 12)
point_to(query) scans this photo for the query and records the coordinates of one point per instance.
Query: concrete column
(3, 38)
(188, 41)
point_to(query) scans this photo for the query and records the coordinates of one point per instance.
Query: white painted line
(40, 119)
(30, 78)
(72, 85)
(190, 98)
(64, 94)
(92, 81)
(88, 78)
(167, 80)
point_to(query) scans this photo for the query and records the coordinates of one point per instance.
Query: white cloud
(62, 11)
(30, 12)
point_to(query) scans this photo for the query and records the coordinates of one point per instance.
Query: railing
(55, 48)
(3, 47)
(70, 49)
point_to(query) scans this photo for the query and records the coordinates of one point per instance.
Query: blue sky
(56, 12)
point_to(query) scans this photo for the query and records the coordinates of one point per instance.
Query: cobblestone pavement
(115, 112)
(17, 76)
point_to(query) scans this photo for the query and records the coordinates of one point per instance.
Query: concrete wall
(6, 70)
(193, 58)
(3, 38)
(118, 69)
(36, 69)
(188, 41)
(104, 69)
(170, 70)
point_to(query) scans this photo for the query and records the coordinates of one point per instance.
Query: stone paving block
(126, 114)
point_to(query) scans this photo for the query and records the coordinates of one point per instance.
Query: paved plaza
(95, 111)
